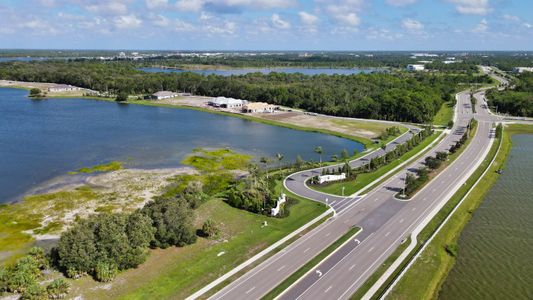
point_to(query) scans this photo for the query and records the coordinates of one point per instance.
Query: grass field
(444, 115)
(178, 272)
(365, 179)
(427, 274)
(310, 264)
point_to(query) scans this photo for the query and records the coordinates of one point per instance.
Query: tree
(299, 162)
(35, 92)
(210, 229)
(450, 124)
(344, 154)
(173, 221)
(280, 157)
(105, 271)
(122, 97)
(318, 150)
(265, 161)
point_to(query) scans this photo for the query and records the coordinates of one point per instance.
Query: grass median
(310, 264)
(365, 179)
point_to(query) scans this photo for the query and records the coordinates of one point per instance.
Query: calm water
(495, 258)
(306, 71)
(42, 139)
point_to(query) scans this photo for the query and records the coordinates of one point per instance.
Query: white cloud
(412, 25)
(279, 23)
(113, 7)
(153, 4)
(308, 19)
(127, 21)
(48, 3)
(471, 7)
(190, 5)
(228, 28)
(401, 2)
(261, 4)
(345, 12)
(482, 27)
(511, 18)
(527, 25)
(350, 19)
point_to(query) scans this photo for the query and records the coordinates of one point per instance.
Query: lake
(43, 139)
(495, 259)
(229, 72)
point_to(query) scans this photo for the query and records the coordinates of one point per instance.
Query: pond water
(229, 72)
(43, 139)
(495, 259)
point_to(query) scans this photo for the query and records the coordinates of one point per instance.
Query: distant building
(229, 103)
(259, 107)
(416, 67)
(522, 69)
(163, 95)
(63, 88)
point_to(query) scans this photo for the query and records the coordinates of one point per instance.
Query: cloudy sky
(268, 24)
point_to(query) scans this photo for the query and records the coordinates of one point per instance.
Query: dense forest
(517, 101)
(412, 97)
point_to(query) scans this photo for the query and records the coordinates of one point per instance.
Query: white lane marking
(424, 199)
(306, 250)
(248, 291)
(327, 234)
(414, 208)
(353, 266)
(387, 234)
(357, 241)
(319, 273)
(375, 199)
(401, 221)
(329, 288)
(281, 268)
(433, 190)
(370, 250)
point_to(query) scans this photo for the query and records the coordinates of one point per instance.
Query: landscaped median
(418, 286)
(312, 263)
(364, 179)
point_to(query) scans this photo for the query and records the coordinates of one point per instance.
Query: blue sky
(268, 24)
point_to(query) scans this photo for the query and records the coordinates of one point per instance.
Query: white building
(63, 88)
(328, 178)
(259, 107)
(275, 210)
(416, 67)
(522, 69)
(229, 103)
(164, 95)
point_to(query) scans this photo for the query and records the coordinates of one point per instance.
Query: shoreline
(367, 143)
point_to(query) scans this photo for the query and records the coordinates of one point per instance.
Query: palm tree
(319, 151)
(280, 157)
(265, 160)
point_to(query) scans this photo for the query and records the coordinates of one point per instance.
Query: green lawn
(178, 272)
(444, 115)
(365, 179)
(310, 264)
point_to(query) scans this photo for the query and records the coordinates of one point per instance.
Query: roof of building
(62, 86)
(164, 94)
(258, 105)
(227, 101)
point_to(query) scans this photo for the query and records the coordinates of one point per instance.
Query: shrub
(34, 292)
(451, 249)
(58, 289)
(122, 97)
(35, 92)
(210, 229)
(105, 272)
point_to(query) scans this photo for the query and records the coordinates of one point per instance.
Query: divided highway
(386, 222)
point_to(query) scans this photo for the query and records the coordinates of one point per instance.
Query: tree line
(396, 96)
(517, 101)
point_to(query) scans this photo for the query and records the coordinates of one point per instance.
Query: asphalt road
(386, 222)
